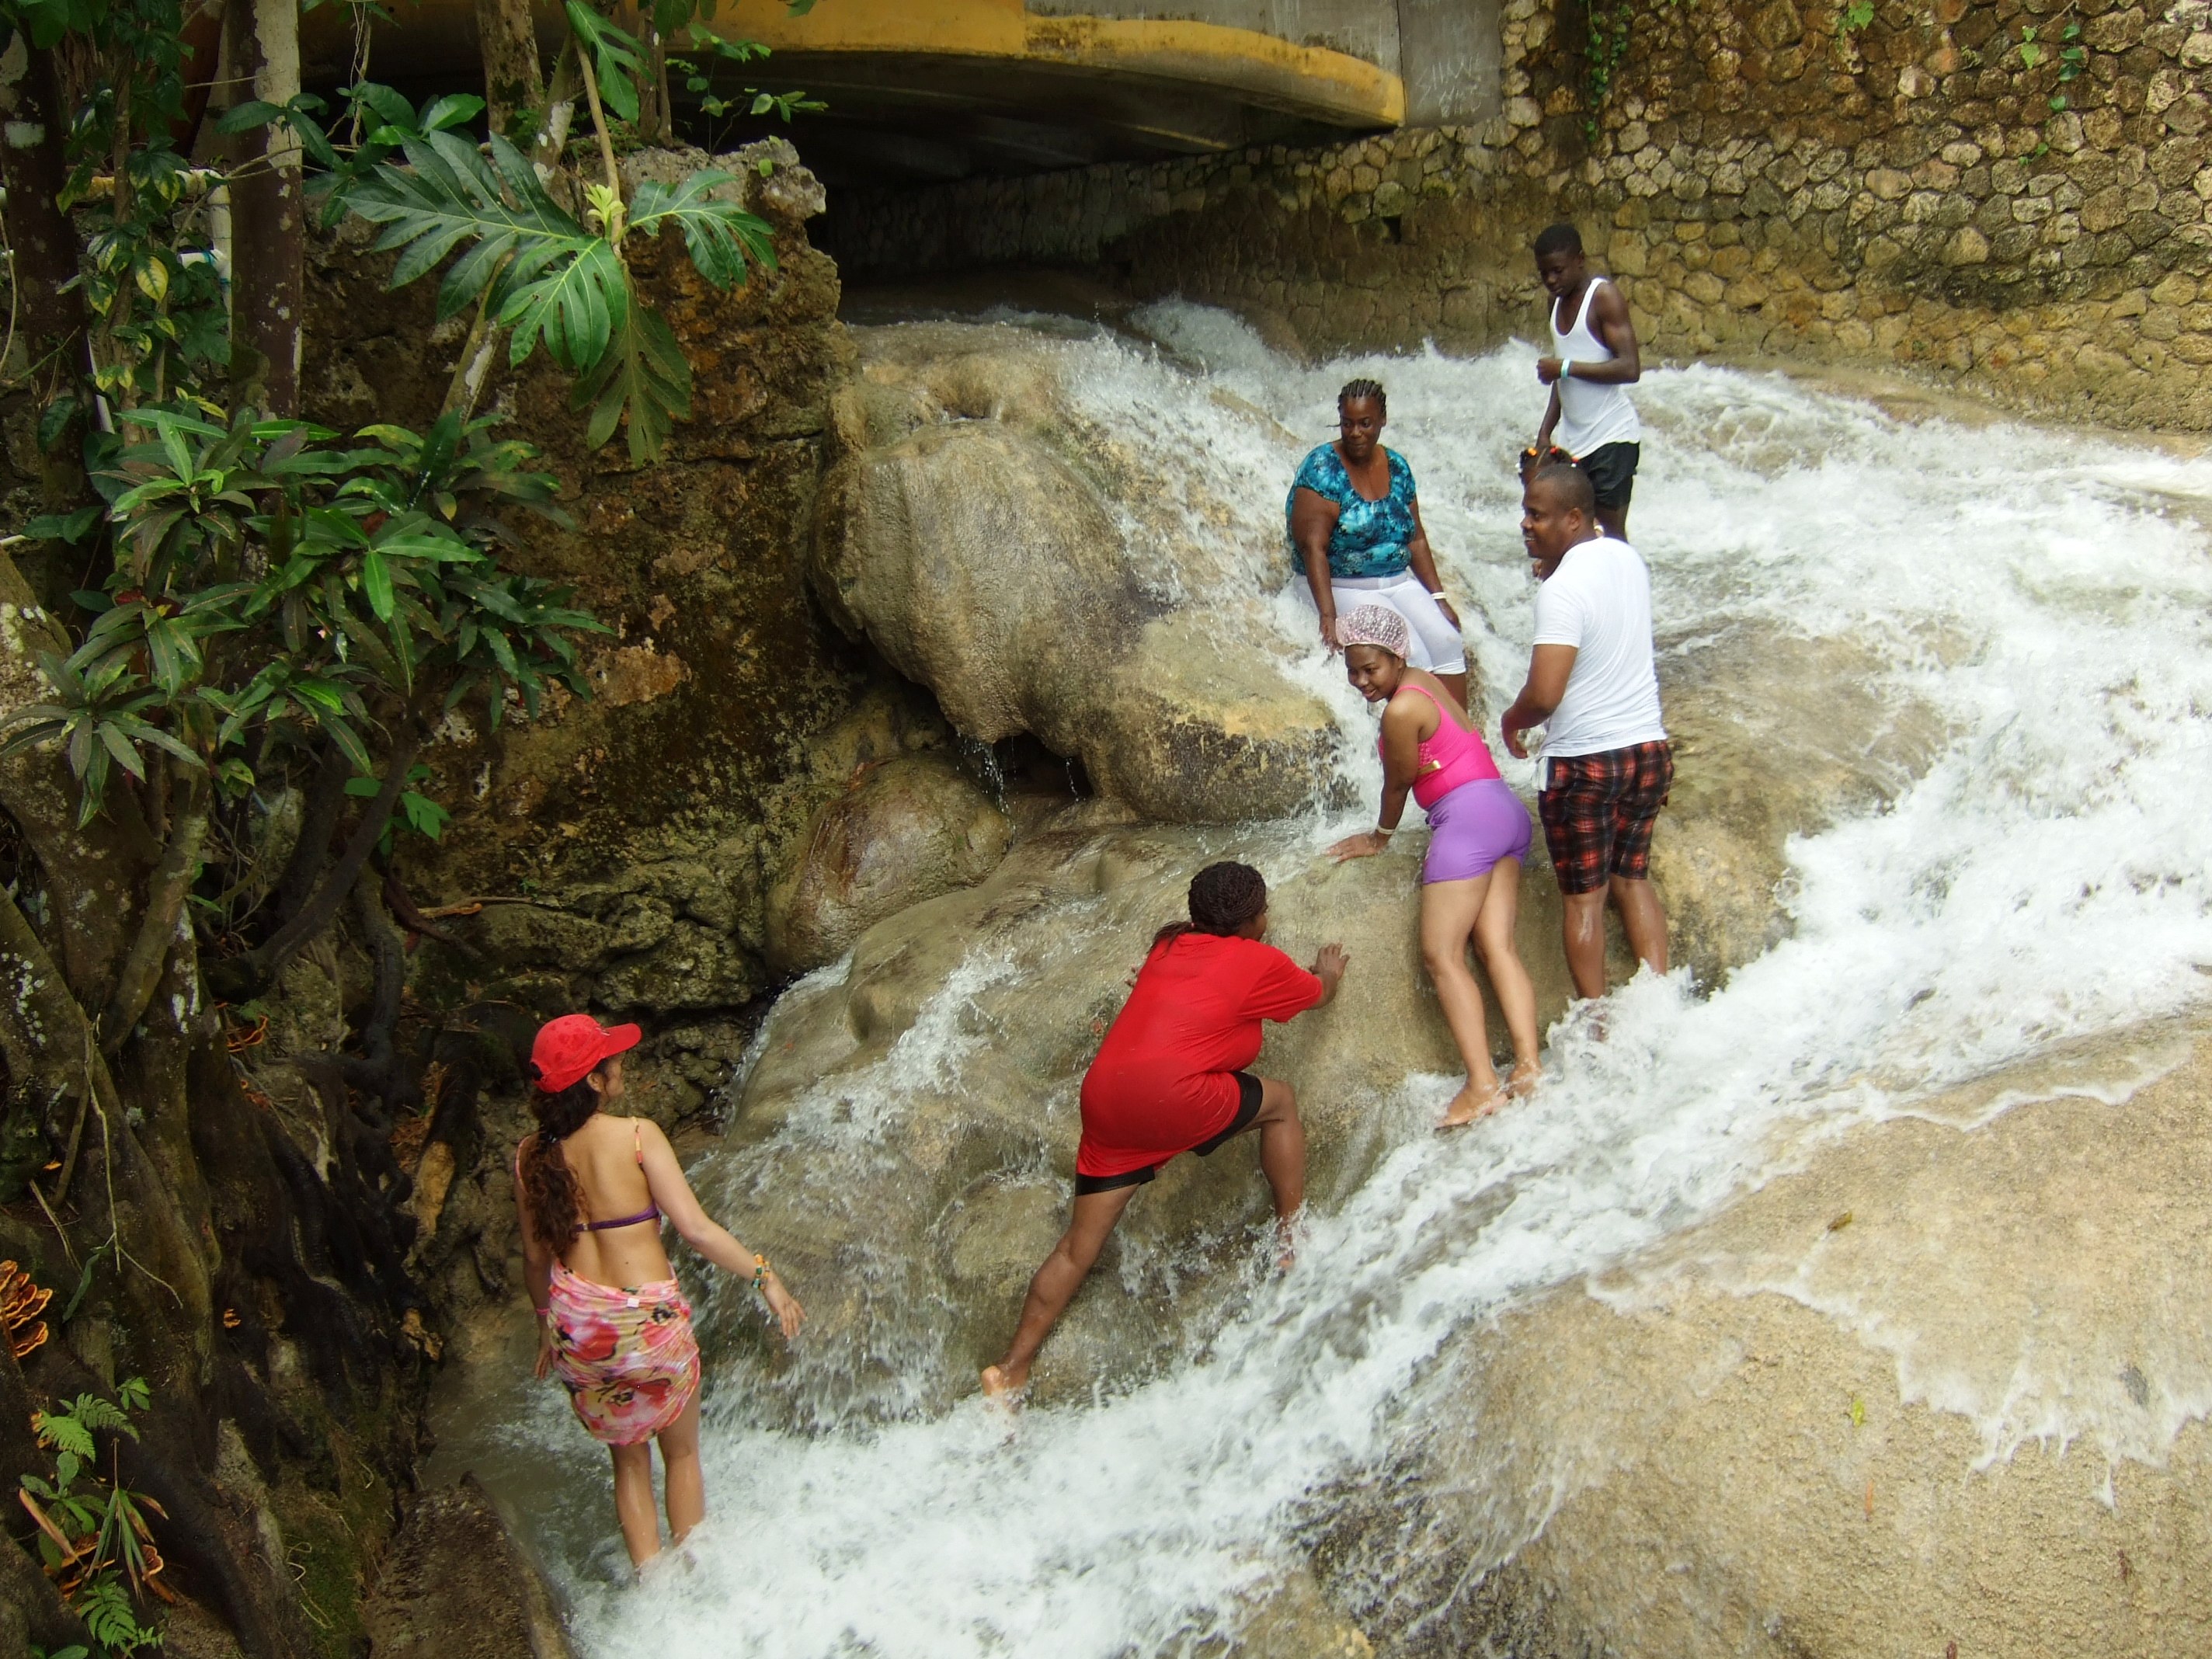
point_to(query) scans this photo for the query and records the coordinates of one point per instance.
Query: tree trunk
(514, 85)
(268, 209)
(49, 319)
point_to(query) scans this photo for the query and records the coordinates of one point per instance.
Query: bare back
(604, 1156)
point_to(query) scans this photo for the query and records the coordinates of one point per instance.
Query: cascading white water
(2046, 877)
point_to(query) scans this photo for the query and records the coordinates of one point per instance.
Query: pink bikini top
(1453, 756)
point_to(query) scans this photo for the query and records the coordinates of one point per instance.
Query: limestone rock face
(907, 831)
(970, 532)
(456, 1583)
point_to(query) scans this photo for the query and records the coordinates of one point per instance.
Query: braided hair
(1223, 898)
(1363, 391)
(550, 1195)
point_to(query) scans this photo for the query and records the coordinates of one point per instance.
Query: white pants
(1436, 644)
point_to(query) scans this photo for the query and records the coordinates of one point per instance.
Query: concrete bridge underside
(921, 90)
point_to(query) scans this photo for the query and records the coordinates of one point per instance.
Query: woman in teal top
(1355, 523)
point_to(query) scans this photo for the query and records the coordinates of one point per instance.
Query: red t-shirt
(1161, 1084)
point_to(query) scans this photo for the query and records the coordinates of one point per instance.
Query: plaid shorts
(1598, 811)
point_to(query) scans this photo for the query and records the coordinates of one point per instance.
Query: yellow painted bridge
(920, 89)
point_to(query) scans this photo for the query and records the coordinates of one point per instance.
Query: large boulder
(1942, 1388)
(973, 531)
(905, 831)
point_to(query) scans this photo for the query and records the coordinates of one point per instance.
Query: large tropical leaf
(643, 375)
(721, 237)
(449, 196)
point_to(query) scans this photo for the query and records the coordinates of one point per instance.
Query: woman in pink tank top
(1471, 879)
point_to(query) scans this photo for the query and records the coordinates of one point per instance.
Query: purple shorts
(1473, 827)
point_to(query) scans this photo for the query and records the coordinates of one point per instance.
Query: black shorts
(1611, 469)
(1247, 1108)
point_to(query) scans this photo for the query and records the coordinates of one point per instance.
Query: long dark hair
(1223, 897)
(550, 1196)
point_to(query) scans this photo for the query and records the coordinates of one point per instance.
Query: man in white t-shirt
(1607, 766)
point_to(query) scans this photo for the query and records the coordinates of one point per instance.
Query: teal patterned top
(1370, 537)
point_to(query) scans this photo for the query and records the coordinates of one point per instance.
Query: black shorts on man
(1611, 469)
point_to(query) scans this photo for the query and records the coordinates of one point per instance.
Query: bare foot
(1467, 1107)
(1526, 1076)
(1000, 1383)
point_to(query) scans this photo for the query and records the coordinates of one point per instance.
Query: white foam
(2046, 877)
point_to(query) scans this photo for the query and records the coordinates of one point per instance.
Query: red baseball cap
(567, 1049)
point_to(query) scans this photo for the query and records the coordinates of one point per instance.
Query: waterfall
(2039, 597)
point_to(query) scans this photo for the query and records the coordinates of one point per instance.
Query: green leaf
(617, 59)
(84, 1280)
(321, 694)
(68, 527)
(245, 117)
(721, 237)
(577, 308)
(424, 815)
(644, 376)
(376, 584)
(455, 109)
(120, 747)
(348, 740)
(448, 196)
(54, 422)
(2030, 53)
(64, 1432)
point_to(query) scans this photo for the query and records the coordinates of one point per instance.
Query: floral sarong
(627, 1356)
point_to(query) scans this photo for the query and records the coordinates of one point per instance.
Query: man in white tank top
(1593, 685)
(1594, 360)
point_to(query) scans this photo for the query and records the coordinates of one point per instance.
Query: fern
(105, 1607)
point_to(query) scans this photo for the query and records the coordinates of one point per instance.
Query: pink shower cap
(1376, 625)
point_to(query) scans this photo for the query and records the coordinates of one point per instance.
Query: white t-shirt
(1599, 601)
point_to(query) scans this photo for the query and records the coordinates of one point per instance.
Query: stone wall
(1916, 193)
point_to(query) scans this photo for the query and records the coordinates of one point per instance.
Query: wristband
(760, 1272)
(1386, 834)
(544, 1313)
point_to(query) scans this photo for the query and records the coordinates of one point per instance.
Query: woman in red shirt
(1169, 1079)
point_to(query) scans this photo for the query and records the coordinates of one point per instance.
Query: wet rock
(958, 1035)
(907, 831)
(456, 1585)
(976, 535)
(1774, 736)
(1776, 1433)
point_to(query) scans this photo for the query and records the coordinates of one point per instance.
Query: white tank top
(1591, 416)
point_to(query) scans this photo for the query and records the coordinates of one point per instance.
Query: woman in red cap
(612, 1324)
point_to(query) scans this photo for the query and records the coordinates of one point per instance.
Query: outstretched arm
(1328, 966)
(1549, 666)
(673, 1193)
(1402, 761)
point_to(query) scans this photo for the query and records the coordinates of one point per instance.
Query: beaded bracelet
(759, 1271)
